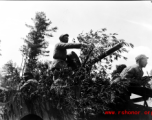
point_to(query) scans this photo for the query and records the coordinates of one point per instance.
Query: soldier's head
(120, 67)
(141, 60)
(64, 38)
(27, 76)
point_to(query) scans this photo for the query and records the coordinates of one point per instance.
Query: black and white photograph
(75, 60)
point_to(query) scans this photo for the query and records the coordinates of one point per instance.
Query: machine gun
(91, 62)
(103, 55)
(74, 62)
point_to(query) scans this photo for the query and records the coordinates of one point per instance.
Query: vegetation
(83, 93)
(35, 42)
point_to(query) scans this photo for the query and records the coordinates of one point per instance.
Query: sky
(132, 20)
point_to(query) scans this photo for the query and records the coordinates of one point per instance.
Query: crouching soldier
(135, 76)
(61, 59)
(135, 72)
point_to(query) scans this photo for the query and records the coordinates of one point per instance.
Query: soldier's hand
(88, 45)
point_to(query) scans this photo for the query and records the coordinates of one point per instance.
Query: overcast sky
(132, 20)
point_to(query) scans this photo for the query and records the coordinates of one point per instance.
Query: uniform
(135, 71)
(60, 54)
(132, 72)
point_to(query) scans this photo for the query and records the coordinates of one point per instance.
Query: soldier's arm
(70, 45)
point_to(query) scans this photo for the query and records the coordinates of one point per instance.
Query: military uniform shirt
(132, 72)
(60, 53)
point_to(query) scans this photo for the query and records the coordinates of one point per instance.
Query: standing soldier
(60, 52)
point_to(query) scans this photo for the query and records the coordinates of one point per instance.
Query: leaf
(104, 29)
(131, 45)
(125, 58)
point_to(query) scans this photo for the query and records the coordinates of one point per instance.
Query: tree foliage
(11, 75)
(35, 42)
(83, 93)
(102, 42)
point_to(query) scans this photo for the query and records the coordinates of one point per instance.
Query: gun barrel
(108, 52)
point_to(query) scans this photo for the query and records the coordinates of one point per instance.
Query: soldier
(119, 69)
(135, 75)
(135, 72)
(28, 80)
(60, 52)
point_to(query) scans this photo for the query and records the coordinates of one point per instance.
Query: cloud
(142, 24)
